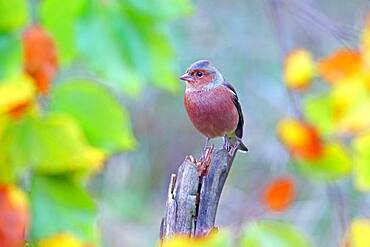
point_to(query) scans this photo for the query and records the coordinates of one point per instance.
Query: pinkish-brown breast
(212, 112)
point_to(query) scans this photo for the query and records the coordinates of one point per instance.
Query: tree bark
(194, 193)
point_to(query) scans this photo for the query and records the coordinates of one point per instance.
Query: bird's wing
(239, 128)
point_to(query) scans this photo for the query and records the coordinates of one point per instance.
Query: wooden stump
(194, 193)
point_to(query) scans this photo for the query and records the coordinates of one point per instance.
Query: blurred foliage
(328, 139)
(59, 119)
(130, 45)
(95, 109)
(317, 140)
(359, 233)
(14, 15)
(62, 240)
(64, 206)
(273, 234)
(14, 215)
(299, 60)
(279, 194)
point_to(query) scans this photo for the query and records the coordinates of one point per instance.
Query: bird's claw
(206, 151)
(205, 160)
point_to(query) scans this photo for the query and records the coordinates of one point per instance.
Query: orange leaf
(340, 66)
(14, 215)
(301, 139)
(18, 110)
(40, 56)
(279, 194)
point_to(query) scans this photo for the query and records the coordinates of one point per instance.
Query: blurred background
(132, 53)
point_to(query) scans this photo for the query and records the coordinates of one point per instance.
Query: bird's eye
(199, 74)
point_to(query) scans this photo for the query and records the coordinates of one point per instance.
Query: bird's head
(201, 75)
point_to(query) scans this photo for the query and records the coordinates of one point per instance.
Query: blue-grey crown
(201, 64)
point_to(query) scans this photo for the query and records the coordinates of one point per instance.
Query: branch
(194, 194)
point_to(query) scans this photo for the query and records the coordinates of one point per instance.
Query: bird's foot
(203, 156)
(205, 161)
(206, 152)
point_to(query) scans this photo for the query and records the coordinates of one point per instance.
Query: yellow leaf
(51, 156)
(61, 240)
(351, 106)
(17, 197)
(345, 97)
(359, 233)
(215, 239)
(300, 138)
(299, 69)
(15, 92)
(355, 121)
(51, 145)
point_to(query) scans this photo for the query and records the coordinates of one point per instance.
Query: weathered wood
(185, 194)
(212, 185)
(181, 200)
(194, 194)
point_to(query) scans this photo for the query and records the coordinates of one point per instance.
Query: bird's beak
(186, 77)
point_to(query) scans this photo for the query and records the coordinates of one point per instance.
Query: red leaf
(40, 56)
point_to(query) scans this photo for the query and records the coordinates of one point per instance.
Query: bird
(213, 105)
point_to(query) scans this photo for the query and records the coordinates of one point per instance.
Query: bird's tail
(242, 147)
(234, 141)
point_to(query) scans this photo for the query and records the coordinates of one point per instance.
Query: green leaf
(273, 234)
(60, 18)
(335, 163)
(170, 9)
(104, 121)
(52, 145)
(13, 14)
(361, 162)
(107, 58)
(10, 55)
(318, 110)
(59, 205)
(130, 46)
(13, 154)
(57, 145)
(149, 49)
(162, 56)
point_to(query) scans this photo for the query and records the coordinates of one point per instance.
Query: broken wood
(194, 193)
